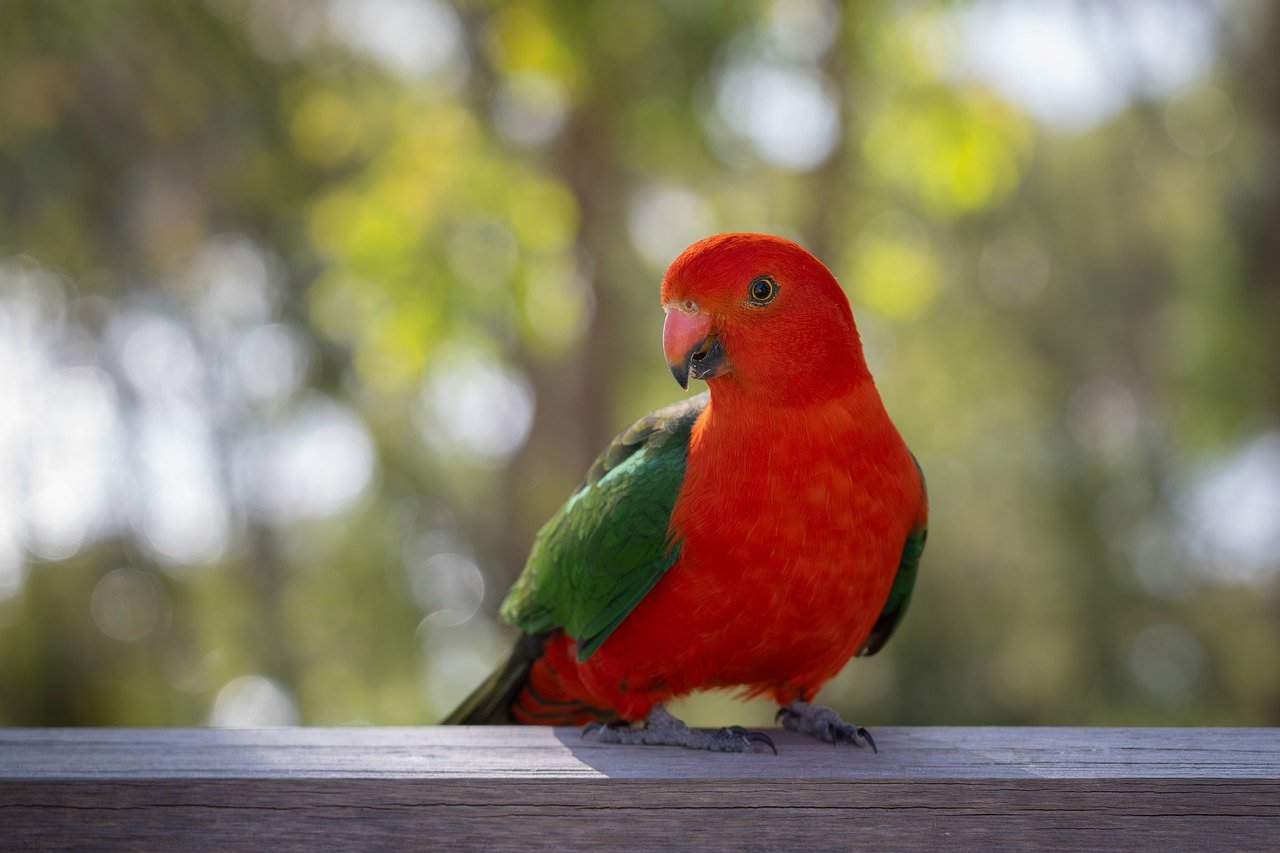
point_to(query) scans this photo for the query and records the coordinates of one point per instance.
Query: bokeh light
(307, 327)
(1058, 59)
(1166, 661)
(475, 407)
(70, 461)
(413, 38)
(790, 115)
(312, 463)
(529, 108)
(1234, 509)
(252, 701)
(1201, 120)
(129, 605)
(663, 220)
(184, 519)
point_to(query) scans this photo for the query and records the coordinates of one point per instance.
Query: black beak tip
(681, 373)
(703, 362)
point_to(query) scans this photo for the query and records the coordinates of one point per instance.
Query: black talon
(870, 740)
(761, 737)
(782, 712)
(752, 737)
(593, 726)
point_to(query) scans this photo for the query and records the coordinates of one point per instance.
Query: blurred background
(312, 312)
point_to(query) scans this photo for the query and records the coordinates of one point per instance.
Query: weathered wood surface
(533, 788)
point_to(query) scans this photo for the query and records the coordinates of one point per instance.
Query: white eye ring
(688, 306)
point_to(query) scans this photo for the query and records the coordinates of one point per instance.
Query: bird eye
(762, 290)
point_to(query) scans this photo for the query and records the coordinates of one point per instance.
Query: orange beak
(683, 337)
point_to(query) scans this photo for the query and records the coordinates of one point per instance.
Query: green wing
(903, 583)
(608, 545)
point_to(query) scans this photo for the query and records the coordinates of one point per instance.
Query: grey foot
(662, 729)
(823, 723)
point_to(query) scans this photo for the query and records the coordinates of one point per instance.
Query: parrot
(755, 537)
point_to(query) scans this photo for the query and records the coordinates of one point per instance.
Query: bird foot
(662, 729)
(823, 723)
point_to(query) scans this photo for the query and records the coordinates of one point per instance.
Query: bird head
(760, 315)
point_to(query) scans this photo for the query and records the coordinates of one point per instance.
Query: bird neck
(850, 411)
(748, 398)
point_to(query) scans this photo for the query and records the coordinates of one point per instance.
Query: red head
(760, 315)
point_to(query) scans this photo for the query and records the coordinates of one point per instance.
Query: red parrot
(755, 537)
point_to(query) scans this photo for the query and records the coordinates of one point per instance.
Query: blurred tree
(311, 313)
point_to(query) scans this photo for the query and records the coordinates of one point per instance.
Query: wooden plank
(537, 788)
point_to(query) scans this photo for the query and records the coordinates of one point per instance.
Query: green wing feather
(904, 582)
(608, 545)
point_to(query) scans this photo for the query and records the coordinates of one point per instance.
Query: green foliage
(308, 323)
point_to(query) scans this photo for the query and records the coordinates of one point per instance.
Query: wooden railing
(536, 788)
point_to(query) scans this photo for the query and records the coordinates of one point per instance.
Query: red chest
(790, 538)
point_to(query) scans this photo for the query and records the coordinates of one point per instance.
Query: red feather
(798, 496)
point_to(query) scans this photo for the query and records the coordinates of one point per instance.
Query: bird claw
(761, 737)
(595, 726)
(752, 737)
(660, 728)
(846, 733)
(871, 742)
(823, 724)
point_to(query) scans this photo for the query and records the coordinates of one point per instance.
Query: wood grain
(537, 788)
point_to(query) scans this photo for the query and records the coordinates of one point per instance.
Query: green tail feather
(490, 703)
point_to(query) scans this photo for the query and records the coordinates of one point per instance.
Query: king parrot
(756, 536)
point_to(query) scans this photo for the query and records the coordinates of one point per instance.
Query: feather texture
(609, 544)
(758, 539)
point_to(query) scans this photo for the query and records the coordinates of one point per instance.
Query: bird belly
(777, 606)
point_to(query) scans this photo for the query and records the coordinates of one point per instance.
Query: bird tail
(490, 703)
(524, 689)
